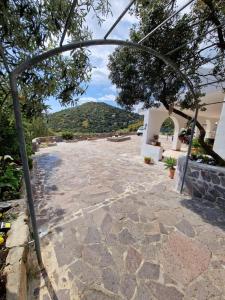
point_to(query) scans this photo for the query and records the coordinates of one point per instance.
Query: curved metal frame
(14, 90)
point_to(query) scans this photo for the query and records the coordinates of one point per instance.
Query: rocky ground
(114, 228)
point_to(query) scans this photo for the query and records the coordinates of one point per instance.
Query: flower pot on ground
(170, 164)
(148, 160)
(172, 173)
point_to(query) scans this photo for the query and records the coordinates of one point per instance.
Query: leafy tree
(31, 27)
(28, 28)
(85, 124)
(144, 78)
(167, 126)
(92, 117)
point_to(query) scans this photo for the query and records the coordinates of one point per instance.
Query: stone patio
(113, 228)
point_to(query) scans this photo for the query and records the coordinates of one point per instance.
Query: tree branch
(4, 58)
(215, 19)
(202, 142)
(68, 21)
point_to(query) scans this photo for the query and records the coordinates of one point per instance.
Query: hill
(92, 117)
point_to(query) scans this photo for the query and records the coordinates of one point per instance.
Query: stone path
(117, 230)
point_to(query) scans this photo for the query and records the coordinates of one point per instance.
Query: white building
(213, 120)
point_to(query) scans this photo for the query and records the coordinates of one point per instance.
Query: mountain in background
(92, 117)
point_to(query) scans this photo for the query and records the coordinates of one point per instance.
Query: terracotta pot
(147, 162)
(172, 172)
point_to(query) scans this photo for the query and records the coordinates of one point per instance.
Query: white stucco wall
(219, 144)
(153, 119)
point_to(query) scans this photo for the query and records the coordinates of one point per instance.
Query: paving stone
(202, 290)
(111, 239)
(169, 217)
(110, 280)
(127, 285)
(125, 237)
(133, 260)
(66, 253)
(151, 251)
(162, 228)
(151, 239)
(63, 294)
(149, 271)
(96, 295)
(106, 259)
(106, 224)
(162, 292)
(154, 225)
(168, 280)
(134, 217)
(144, 293)
(85, 273)
(93, 236)
(185, 227)
(91, 255)
(217, 277)
(184, 259)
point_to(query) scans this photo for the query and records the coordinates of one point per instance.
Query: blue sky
(100, 88)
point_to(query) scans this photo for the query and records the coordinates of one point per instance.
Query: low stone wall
(16, 267)
(202, 181)
(118, 138)
(56, 139)
(45, 139)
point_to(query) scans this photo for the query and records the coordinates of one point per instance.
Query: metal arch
(165, 21)
(16, 105)
(119, 18)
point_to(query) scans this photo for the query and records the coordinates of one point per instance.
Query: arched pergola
(29, 63)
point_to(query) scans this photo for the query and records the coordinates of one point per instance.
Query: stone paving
(114, 228)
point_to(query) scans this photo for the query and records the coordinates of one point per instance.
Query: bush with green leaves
(170, 163)
(10, 178)
(67, 135)
(195, 143)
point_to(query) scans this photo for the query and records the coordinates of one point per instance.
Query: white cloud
(100, 76)
(109, 97)
(113, 88)
(99, 54)
(87, 99)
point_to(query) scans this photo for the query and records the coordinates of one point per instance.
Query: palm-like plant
(170, 163)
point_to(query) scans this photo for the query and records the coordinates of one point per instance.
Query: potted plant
(195, 146)
(148, 160)
(170, 164)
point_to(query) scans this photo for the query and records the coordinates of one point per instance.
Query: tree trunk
(219, 160)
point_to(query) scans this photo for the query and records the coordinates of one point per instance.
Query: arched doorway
(169, 133)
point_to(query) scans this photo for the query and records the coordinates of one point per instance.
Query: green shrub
(195, 143)
(67, 135)
(170, 163)
(10, 178)
(134, 127)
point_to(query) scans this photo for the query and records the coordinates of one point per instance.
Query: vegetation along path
(114, 228)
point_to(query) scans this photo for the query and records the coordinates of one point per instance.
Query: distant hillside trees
(93, 117)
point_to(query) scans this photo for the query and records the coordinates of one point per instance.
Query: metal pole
(23, 153)
(119, 18)
(165, 21)
(212, 82)
(206, 61)
(195, 39)
(189, 148)
(211, 103)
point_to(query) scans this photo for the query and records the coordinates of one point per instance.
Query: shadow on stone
(210, 212)
(48, 284)
(48, 162)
